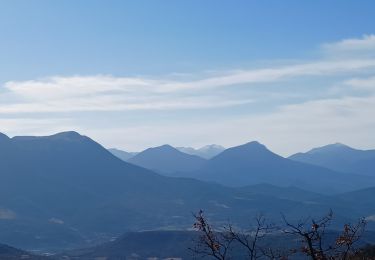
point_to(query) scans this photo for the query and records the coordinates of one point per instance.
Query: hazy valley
(66, 191)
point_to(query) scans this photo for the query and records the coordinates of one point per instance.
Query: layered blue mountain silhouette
(253, 163)
(340, 157)
(123, 155)
(66, 190)
(249, 164)
(206, 152)
(167, 159)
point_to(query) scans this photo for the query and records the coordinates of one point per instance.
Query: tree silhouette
(211, 243)
(316, 244)
(312, 233)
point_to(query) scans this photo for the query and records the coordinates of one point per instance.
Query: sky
(291, 74)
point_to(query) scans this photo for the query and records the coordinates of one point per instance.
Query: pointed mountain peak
(254, 145)
(339, 145)
(167, 159)
(166, 146)
(252, 149)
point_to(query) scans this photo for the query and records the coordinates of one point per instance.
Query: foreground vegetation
(313, 239)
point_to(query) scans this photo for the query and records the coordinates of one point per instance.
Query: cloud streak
(241, 104)
(364, 47)
(108, 93)
(362, 83)
(289, 129)
(367, 42)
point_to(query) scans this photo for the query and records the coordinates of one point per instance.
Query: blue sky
(134, 74)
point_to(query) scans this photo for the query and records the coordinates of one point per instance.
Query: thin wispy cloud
(362, 83)
(367, 42)
(108, 93)
(288, 129)
(364, 46)
(306, 109)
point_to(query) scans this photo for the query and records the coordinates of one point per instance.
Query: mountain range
(253, 163)
(340, 157)
(206, 152)
(167, 159)
(123, 155)
(66, 191)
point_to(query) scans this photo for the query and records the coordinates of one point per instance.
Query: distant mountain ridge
(123, 155)
(66, 191)
(206, 152)
(168, 160)
(253, 163)
(340, 157)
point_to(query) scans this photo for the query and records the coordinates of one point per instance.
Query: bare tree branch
(211, 243)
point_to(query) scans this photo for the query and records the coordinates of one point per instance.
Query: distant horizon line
(177, 147)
